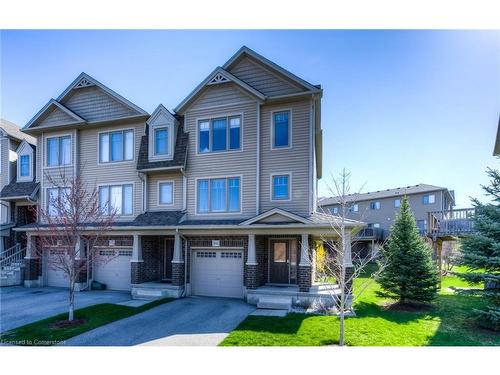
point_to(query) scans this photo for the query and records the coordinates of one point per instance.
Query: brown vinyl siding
(153, 191)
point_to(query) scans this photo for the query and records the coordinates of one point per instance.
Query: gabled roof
(160, 111)
(247, 51)
(19, 190)
(50, 106)
(288, 216)
(13, 131)
(85, 80)
(24, 144)
(218, 76)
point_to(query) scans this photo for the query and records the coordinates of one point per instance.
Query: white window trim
(46, 149)
(112, 130)
(290, 184)
(159, 193)
(353, 210)
(170, 141)
(29, 177)
(271, 130)
(428, 199)
(225, 213)
(213, 117)
(46, 195)
(119, 184)
(395, 200)
(375, 205)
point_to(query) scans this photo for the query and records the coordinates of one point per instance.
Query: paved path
(20, 305)
(190, 321)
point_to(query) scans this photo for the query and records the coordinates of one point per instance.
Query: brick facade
(178, 274)
(32, 268)
(252, 276)
(304, 278)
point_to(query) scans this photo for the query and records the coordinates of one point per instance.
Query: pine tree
(480, 252)
(410, 274)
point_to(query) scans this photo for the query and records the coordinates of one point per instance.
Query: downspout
(144, 179)
(184, 190)
(185, 260)
(257, 182)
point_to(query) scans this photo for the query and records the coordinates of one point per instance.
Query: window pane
(219, 134)
(104, 199)
(234, 194)
(116, 200)
(218, 194)
(52, 151)
(127, 200)
(117, 146)
(161, 141)
(65, 199)
(234, 133)
(104, 147)
(204, 136)
(281, 129)
(166, 193)
(129, 145)
(202, 195)
(52, 201)
(280, 187)
(432, 198)
(25, 165)
(279, 252)
(65, 150)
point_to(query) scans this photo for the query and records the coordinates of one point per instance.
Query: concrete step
(275, 303)
(270, 312)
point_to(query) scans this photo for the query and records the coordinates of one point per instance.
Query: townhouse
(217, 198)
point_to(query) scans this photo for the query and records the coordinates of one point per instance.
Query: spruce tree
(410, 274)
(480, 252)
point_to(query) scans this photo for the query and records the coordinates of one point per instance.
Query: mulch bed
(67, 323)
(407, 307)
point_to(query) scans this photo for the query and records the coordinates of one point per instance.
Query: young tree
(411, 275)
(339, 262)
(480, 252)
(71, 227)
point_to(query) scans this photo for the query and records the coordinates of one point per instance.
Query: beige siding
(262, 79)
(221, 94)
(38, 158)
(56, 117)
(93, 104)
(153, 181)
(294, 160)
(235, 163)
(4, 159)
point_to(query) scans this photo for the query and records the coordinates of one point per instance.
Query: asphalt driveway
(189, 321)
(20, 305)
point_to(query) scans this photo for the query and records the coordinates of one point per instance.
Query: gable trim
(53, 103)
(160, 109)
(274, 211)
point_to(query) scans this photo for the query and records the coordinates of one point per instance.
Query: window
(375, 205)
(281, 129)
(116, 199)
(397, 202)
(422, 225)
(429, 199)
(166, 195)
(58, 151)
(116, 146)
(220, 134)
(281, 187)
(161, 141)
(218, 195)
(376, 225)
(354, 208)
(58, 202)
(334, 210)
(24, 165)
(279, 252)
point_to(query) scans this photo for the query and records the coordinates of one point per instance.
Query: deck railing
(371, 233)
(451, 222)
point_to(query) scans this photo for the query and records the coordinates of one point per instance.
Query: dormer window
(162, 130)
(161, 140)
(24, 162)
(24, 169)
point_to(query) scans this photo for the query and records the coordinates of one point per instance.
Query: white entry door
(217, 273)
(113, 269)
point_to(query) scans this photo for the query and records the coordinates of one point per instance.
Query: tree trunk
(71, 301)
(341, 334)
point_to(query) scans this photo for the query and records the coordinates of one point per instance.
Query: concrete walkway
(193, 321)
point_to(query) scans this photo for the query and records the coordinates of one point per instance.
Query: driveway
(20, 305)
(189, 321)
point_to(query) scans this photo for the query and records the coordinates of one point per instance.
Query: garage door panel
(113, 269)
(55, 276)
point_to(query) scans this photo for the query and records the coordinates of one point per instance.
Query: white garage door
(217, 273)
(55, 277)
(113, 269)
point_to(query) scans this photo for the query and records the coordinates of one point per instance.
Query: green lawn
(448, 323)
(43, 332)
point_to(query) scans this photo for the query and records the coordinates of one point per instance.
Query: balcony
(371, 233)
(453, 223)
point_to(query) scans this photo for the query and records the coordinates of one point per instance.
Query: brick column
(137, 269)
(349, 269)
(251, 281)
(32, 265)
(177, 262)
(304, 275)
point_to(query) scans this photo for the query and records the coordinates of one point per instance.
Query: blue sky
(399, 107)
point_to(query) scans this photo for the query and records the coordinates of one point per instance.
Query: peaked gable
(161, 115)
(275, 216)
(54, 114)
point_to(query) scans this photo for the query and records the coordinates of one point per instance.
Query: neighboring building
(216, 199)
(12, 142)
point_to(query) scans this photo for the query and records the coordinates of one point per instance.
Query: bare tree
(71, 227)
(340, 263)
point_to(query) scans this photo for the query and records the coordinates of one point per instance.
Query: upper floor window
(397, 202)
(334, 210)
(58, 151)
(281, 187)
(373, 225)
(166, 193)
(375, 205)
(422, 225)
(218, 195)
(24, 162)
(116, 199)
(219, 134)
(116, 146)
(429, 199)
(281, 129)
(354, 208)
(58, 201)
(161, 141)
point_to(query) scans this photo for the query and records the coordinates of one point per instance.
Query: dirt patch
(407, 307)
(67, 323)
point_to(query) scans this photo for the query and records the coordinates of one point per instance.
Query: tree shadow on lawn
(371, 309)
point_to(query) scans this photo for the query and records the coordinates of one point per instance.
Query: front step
(275, 303)
(154, 291)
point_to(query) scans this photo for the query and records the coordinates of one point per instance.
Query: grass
(44, 333)
(448, 323)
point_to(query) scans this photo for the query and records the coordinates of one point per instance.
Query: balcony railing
(451, 222)
(371, 233)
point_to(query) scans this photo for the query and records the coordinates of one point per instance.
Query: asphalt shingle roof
(18, 189)
(14, 131)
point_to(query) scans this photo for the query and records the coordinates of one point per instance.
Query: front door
(280, 262)
(166, 259)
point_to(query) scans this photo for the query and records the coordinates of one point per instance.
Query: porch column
(252, 272)
(137, 272)
(32, 264)
(177, 262)
(304, 275)
(81, 280)
(349, 269)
